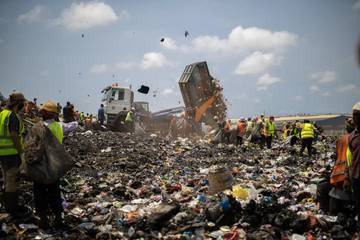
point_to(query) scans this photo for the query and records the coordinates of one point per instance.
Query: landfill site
(96, 154)
(182, 173)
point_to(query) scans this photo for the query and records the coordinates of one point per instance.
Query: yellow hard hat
(49, 106)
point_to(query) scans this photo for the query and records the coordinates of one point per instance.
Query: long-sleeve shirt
(101, 113)
(354, 145)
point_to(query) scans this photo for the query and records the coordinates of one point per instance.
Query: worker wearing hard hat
(48, 195)
(227, 130)
(339, 179)
(354, 157)
(269, 132)
(11, 151)
(241, 130)
(129, 120)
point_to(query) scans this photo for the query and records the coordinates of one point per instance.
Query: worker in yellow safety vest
(129, 120)
(307, 136)
(269, 131)
(286, 130)
(48, 195)
(11, 152)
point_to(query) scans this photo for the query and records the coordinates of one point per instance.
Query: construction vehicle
(118, 101)
(202, 95)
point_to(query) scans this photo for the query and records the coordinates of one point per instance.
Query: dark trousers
(239, 140)
(293, 140)
(306, 143)
(336, 206)
(268, 140)
(262, 140)
(10, 169)
(356, 194)
(101, 121)
(227, 137)
(322, 194)
(47, 195)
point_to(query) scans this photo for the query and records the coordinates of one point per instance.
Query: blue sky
(277, 57)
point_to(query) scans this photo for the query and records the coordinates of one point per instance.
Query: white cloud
(325, 94)
(318, 91)
(356, 6)
(245, 38)
(98, 68)
(314, 88)
(153, 60)
(257, 62)
(125, 65)
(324, 77)
(37, 14)
(169, 43)
(265, 81)
(346, 88)
(167, 91)
(299, 98)
(82, 16)
(209, 44)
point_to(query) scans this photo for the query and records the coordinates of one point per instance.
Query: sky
(276, 57)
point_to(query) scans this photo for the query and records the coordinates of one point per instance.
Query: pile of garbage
(145, 187)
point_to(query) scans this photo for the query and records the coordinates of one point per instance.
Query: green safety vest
(295, 132)
(270, 128)
(56, 129)
(307, 131)
(82, 117)
(349, 159)
(129, 117)
(7, 146)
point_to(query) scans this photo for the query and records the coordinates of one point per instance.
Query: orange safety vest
(241, 127)
(227, 127)
(340, 168)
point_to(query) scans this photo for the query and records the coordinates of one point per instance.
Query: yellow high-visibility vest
(7, 146)
(56, 129)
(307, 131)
(129, 117)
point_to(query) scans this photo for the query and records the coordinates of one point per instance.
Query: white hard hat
(356, 106)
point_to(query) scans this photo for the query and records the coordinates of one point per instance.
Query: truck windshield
(114, 94)
(105, 95)
(121, 94)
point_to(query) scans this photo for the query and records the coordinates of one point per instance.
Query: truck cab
(117, 102)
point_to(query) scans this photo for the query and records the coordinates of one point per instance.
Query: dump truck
(202, 95)
(118, 101)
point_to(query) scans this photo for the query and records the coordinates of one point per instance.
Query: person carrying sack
(47, 195)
